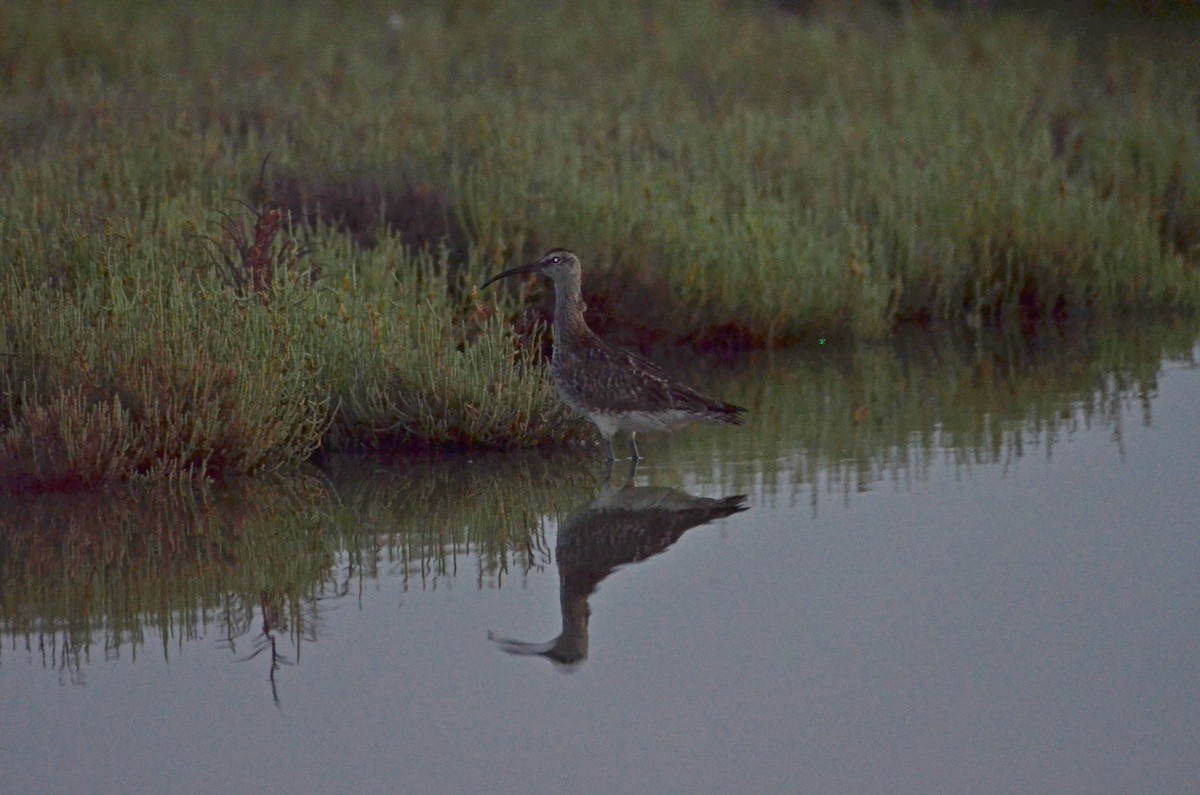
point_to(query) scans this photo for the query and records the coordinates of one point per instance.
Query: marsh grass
(173, 376)
(733, 175)
(141, 375)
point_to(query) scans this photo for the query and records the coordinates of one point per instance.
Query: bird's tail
(728, 413)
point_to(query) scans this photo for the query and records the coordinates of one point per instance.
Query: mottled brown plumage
(615, 389)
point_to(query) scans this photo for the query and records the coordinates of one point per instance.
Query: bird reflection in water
(619, 527)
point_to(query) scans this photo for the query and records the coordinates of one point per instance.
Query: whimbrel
(615, 389)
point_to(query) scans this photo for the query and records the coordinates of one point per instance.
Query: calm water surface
(953, 570)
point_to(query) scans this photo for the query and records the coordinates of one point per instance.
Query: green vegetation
(735, 173)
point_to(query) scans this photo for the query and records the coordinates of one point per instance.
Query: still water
(920, 568)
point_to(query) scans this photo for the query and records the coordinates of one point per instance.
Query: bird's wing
(634, 383)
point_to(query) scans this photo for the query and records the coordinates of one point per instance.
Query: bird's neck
(568, 308)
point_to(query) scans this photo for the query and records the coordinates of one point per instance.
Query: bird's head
(557, 263)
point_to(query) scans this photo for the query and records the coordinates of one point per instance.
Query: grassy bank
(733, 173)
(146, 369)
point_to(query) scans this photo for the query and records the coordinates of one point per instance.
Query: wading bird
(615, 389)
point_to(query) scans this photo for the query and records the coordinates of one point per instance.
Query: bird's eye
(555, 259)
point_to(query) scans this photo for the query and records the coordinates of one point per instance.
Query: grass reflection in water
(96, 576)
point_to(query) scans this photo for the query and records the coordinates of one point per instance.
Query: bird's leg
(611, 455)
(633, 467)
(633, 447)
(606, 488)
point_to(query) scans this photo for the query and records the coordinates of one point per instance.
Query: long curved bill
(530, 268)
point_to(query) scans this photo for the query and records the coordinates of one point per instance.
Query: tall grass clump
(409, 357)
(133, 374)
(158, 370)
